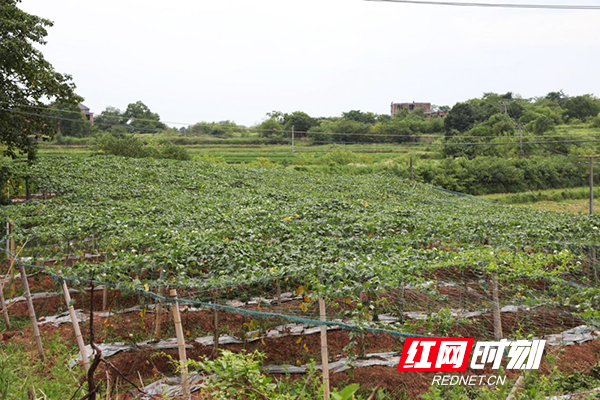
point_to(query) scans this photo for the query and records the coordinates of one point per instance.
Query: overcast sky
(203, 60)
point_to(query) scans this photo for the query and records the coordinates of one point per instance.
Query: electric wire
(494, 5)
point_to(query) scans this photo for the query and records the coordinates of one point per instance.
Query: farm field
(251, 251)
(571, 200)
(246, 153)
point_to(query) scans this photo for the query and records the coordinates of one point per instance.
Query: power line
(494, 5)
(359, 143)
(468, 144)
(116, 117)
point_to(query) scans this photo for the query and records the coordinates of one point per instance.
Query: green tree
(108, 118)
(359, 116)
(26, 80)
(223, 128)
(270, 128)
(557, 97)
(69, 121)
(582, 107)
(460, 118)
(300, 120)
(141, 119)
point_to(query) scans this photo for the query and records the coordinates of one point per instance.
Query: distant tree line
(69, 121)
(498, 118)
(480, 124)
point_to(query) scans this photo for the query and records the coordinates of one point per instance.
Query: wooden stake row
(176, 319)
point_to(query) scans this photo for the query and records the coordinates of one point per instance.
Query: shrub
(130, 146)
(484, 175)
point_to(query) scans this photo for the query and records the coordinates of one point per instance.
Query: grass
(282, 154)
(572, 200)
(21, 372)
(567, 206)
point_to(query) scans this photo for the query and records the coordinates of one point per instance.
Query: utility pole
(411, 169)
(293, 150)
(520, 140)
(591, 181)
(593, 249)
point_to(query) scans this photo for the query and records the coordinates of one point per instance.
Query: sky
(192, 61)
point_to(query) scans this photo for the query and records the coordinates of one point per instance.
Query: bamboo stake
(108, 388)
(159, 306)
(278, 288)
(2, 300)
(180, 345)
(105, 288)
(324, 356)
(34, 325)
(594, 263)
(216, 333)
(75, 322)
(10, 249)
(519, 384)
(3, 304)
(497, 318)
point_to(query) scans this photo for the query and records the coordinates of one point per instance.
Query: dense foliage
(130, 146)
(484, 124)
(26, 80)
(137, 118)
(216, 226)
(484, 175)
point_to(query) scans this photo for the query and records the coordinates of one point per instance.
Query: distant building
(86, 113)
(426, 107)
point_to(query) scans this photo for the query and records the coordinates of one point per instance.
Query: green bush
(485, 175)
(130, 146)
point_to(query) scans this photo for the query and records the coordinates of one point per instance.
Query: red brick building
(426, 107)
(86, 113)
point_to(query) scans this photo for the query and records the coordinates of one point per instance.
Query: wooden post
(105, 288)
(278, 288)
(497, 318)
(411, 169)
(216, 333)
(519, 385)
(591, 181)
(78, 336)
(293, 150)
(594, 264)
(591, 185)
(180, 345)
(3, 304)
(592, 250)
(34, 324)
(2, 300)
(10, 249)
(520, 141)
(324, 355)
(159, 306)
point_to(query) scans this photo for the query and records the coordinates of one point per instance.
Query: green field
(245, 153)
(374, 247)
(571, 200)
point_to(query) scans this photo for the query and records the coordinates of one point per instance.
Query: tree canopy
(26, 81)
(137, 117)
(68, 120)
